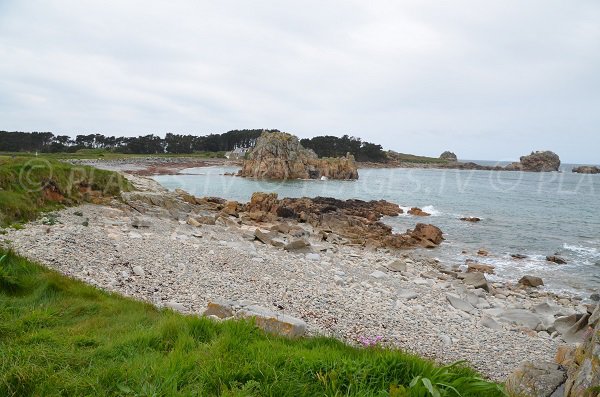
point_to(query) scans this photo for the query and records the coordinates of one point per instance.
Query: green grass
(84, 154)
(411, 158)
(22, 181)
(62, 337)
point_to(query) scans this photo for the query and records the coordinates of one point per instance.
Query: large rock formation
(587, 169)
(354, 221)
(448, 156)
(537, 162)
(576, 369)
(278, 155)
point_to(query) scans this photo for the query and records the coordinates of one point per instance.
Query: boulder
(518, 256)
(278, 155)
(540, 161)
(535, 379)
(297, 244)
(483, 252)
(417, 212)
(556, 259)
(480, 267)
(531, 281)
(470, 219)
(231, 208)
(477, 280)
(587, 169)
(193, 222)
(427, 233)
(263, 202)
(265, 238)
(396, 266)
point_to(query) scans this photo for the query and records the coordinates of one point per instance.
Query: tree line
(333, 146)
(47, 142)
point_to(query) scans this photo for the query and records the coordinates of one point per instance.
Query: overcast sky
(485, 79)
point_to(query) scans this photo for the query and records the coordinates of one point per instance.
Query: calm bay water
(535, 214)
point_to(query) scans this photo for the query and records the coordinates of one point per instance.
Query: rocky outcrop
(556, 259)
(587, 169)
(278, 155)
(417, 212)
(583, 363)
(470, 219)
(352, 221)
(448, 156)
(576, 369)
(540, 161)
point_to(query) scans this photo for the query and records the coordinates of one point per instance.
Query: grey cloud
(491, 79)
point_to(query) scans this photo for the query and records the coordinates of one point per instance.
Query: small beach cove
(344, 291)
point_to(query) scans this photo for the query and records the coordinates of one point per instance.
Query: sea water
(534, 214)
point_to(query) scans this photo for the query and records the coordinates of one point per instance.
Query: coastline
(150, 166)
(339, 290)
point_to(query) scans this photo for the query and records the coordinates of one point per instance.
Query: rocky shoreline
(177, 251)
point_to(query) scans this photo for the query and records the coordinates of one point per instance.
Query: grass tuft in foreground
(62, 337)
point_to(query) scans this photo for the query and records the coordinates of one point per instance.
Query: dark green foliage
(47, 142)
(332, 146)
(61, 337)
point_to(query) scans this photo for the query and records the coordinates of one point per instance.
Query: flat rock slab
(274, 322)
(220, 309)
(459, 303)
(407, 294)
(521, 317)
(489, 322)
(378, 274)
(396, 266)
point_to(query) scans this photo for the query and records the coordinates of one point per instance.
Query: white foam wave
(580, 249)
(430, 209)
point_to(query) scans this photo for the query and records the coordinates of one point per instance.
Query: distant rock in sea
(587, 169)
(540, 161)
(448, 156)
(278, 155)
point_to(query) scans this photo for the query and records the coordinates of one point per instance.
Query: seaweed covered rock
(278, 155)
